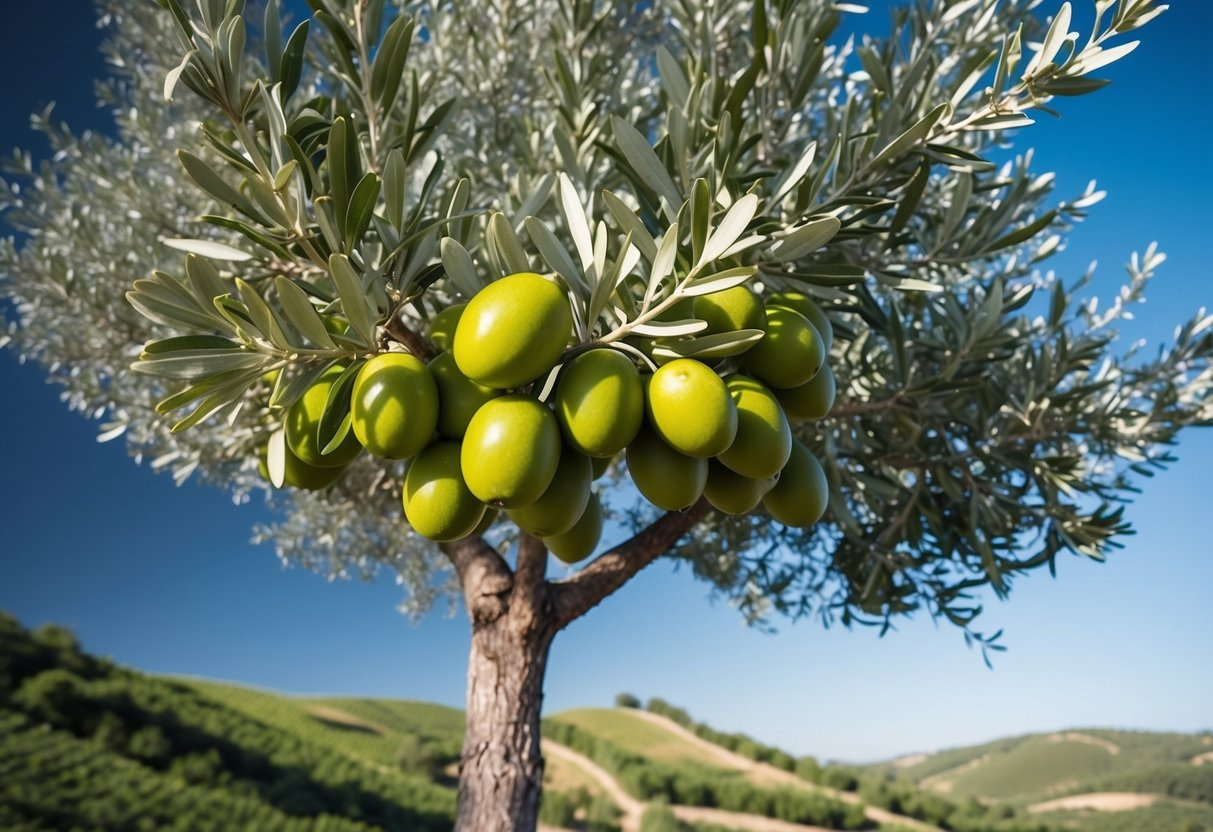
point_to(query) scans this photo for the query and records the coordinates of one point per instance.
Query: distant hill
(1146, 780)
(86, 744)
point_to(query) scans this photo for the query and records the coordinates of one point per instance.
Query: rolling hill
(85, 743)
(1102, 779)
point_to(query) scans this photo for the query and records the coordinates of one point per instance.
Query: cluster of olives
(478, 442)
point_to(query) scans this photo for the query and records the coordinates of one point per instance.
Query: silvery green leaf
(806, 239)
(204, 280)
(207, 179)
(574, 217)
(730, 228)
(283, 177)
(1059, 30)
(1005, 121)
(263, 316)
(198, 364)
(717, 345)
(1092, 59)
(611, 278)
(395, 177)
(224, 397)
(275, 457)
(644, 161)
(334, 423)
(670, 329)
(504, 242)
(207, 248)
(301, 313)
(556, 256)
(663, 263)
(629, 223)
(459, 267)
(719, 282)
(791, 180)
(701, 217)
(672, 76)
(362, 206)
(174, 74)
(538, 196)
(290, 387)
(353, 297)
(916, 134)
(910, 284)
(188, 342)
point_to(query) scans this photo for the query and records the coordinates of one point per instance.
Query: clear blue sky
(1123, 644)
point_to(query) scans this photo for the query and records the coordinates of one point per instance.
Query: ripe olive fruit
(764, 438)
(442, 326)
(458, 396)
(789, 354)
(667, 479)
(513, 331)
(511, 451)
(802, 493)
(733, 493)
(564, 501)
(579, 542)
(600, 402)
(303, 419)
(808, 307)
(690, 408)
(394, 406)
(600, 465)
(437, 502)
(730, 310)
(811, 400)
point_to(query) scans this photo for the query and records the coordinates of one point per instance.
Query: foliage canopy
(377, 163)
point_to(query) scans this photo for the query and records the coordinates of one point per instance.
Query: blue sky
(1122, 644)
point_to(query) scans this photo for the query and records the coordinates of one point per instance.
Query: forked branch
(574, 597)
(484, 575)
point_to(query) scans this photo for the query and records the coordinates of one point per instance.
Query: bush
(626, 700)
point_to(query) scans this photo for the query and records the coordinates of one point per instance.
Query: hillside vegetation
(85, 744)
(1038, 767)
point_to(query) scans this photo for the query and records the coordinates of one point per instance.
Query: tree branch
(579, 594)
(484, 575)
(399, 331)
(529, 572)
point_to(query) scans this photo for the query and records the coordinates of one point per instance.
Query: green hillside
(86, 744)
(1038, 767)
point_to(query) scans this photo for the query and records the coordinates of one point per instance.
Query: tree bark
(501, 777)
(515, 615)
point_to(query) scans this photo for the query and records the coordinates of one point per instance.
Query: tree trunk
(501, 777)
(515, 614)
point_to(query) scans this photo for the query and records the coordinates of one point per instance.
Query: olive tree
(280, 201)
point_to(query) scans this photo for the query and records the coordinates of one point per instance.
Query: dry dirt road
(768, 774)
(1099, 801)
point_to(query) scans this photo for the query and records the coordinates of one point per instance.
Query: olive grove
(283, 206)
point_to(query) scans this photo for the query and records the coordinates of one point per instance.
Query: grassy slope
(639, 736)
(1036, 767)
(400, 718)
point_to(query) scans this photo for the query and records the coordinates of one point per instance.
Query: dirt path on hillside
(942, 782)
(770, 775)
(1099, 801)
(739, 820)
(344, 719)
(1077, 736)
(1201, 759)
(632, 808)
